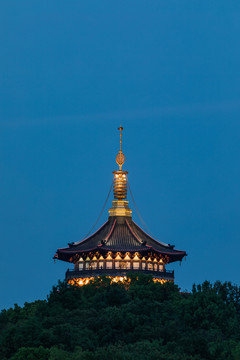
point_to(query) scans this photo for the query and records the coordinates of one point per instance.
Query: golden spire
(120, 205)
(120, 158)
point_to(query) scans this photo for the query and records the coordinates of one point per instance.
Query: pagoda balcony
(76, 274)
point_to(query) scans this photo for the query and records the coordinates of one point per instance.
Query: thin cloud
(136, 114)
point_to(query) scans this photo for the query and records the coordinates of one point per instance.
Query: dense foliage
(136, 320)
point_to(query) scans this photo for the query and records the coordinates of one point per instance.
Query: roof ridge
(133, 233)
(110, 233)
(158, 242)
(82, 241)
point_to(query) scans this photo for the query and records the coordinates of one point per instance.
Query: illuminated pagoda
(119, 246)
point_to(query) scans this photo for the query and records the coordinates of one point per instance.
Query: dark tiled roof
(121, 238)
(120, 234)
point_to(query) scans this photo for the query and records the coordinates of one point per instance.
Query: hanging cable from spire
(100, 212)
(139, 215)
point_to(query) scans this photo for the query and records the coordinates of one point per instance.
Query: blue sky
(70, 73)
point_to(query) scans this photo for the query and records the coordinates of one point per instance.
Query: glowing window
(128, 265)
(135, 265)
(161, 267)
(80, 265)
(122, 265)
(93, 265)
(109, 264)
(150, 266)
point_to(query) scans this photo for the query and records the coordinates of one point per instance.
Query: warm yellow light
(80, 282)
(118, 278)
(123, 279)
(162, 281)
(85, 281)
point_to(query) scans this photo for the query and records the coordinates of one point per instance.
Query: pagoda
(119, 246)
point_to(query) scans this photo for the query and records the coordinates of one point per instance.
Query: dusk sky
(70, 73)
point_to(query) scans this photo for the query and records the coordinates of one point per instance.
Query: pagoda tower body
(119, 246)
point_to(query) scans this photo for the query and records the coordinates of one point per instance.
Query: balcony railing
(73, 274)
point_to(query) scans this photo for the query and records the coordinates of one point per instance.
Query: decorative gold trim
(120, 208)
(120, 185)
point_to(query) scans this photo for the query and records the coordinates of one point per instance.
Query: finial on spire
(120, 158)
(120, 204)
(120, 129)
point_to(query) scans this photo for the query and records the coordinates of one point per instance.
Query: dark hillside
(136, 320)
